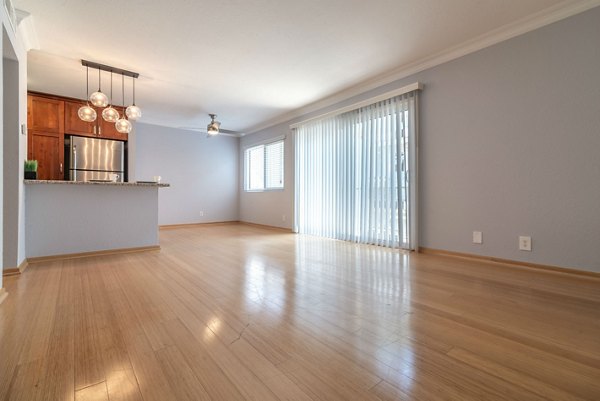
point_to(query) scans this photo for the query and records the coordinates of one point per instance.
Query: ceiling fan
(214, 128)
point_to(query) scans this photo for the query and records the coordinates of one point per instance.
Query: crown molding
(532, 22)
(27, 31)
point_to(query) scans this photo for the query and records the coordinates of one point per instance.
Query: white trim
(264, 142)
(537, 20)
(26, 28)
(388, 95)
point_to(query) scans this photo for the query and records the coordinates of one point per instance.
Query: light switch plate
(477, 237)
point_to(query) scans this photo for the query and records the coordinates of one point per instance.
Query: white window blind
(356, 174)
(264, 167)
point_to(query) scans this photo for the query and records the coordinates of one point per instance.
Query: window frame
(265, 164)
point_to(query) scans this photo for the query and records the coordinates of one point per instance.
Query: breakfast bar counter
(74, 217)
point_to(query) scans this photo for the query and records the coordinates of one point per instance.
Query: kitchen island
(71, 218)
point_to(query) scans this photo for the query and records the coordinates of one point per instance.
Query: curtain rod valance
(388, 95)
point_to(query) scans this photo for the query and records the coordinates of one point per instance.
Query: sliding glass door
(356, 174)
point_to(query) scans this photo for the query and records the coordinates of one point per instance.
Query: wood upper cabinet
(109, 130)
(99, 128)
(45, 114)
(74, 124)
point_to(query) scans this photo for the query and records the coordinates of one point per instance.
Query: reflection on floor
(236, 312)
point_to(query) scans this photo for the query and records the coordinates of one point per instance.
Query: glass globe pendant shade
(99, 99)
(110, 114)
(87, 113)
(123, 126)
(133, 112)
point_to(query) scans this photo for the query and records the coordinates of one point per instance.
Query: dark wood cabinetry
(45, 114)
(47, 149)
(49, 119)
(73, 124)
(99, 128)
(45, 139)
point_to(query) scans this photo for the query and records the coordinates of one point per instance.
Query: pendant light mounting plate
(109, 68)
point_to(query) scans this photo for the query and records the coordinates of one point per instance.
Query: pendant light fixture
(133, 112)
(86, 112)
(98, 98)
(110, 114)
(123, 125)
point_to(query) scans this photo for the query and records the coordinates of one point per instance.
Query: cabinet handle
(99, 130)
(95, 129)
(60, 167)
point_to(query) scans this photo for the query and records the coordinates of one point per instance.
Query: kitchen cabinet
(47, 148)
(45, 114)
(49, 119)
(73, 124)
(45, 136)
(99, 128)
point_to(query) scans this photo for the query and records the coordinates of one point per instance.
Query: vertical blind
(356, 174)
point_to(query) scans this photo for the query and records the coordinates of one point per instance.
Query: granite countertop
(119, 184)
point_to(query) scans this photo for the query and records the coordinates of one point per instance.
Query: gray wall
(272, 208)
(509, 146)
(87, 218)
(203, 173)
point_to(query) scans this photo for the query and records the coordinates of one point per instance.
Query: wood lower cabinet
(48, 149)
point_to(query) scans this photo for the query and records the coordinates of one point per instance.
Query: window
(264, 167)
(355, 175)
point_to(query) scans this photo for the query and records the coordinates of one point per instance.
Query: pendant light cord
(99, 81)
(123, 91)
(111, 85)
(87, 82)
(133, 90)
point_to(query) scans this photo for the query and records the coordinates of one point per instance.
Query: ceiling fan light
(87, 113)
(99, 99)
(133, 112)
(110, 114)
(212, 129)
(123, 126)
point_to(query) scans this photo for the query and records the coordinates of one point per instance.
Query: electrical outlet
(201, 213)
(524, 243)
(477, 237)
(23, 129)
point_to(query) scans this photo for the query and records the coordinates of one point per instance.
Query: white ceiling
(249, 61)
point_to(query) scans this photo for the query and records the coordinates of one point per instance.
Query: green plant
(31, 165)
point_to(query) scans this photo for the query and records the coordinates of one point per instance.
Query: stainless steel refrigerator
(93, 159)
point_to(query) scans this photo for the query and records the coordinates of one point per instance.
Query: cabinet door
(108, 130)
(73, 124)
(45, 114)
(47, 149)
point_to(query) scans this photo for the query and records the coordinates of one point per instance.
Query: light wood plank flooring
(243, 313)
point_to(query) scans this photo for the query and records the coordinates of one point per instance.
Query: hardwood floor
(243, 313)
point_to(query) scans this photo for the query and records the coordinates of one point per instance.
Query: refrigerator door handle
(74, 158)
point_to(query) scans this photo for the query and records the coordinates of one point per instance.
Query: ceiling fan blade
(225, 132)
